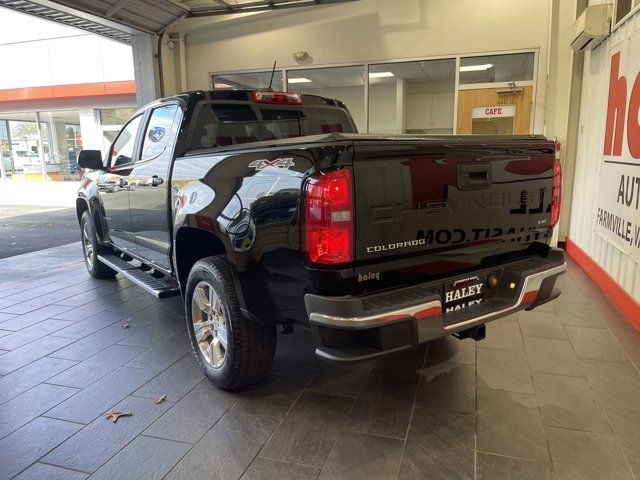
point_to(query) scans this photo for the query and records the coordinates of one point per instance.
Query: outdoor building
(66, 90)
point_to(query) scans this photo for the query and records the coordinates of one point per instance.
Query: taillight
(279, 98)
(329, 217)
(556, 193)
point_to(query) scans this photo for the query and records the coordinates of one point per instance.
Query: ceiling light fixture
(476, 68)
(381, 74)
(299, 80)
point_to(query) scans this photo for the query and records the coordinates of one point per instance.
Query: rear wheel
(231, 350)
(92, 248)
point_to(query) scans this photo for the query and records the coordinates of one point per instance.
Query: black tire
(91, 248)
(250, 346)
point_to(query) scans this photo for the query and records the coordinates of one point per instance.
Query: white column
(144, 69)
(41, 147)
(400, 101)
(90, 129)
(182, 58)
(2, 172)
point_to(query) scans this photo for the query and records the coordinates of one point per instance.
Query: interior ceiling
(120, 19)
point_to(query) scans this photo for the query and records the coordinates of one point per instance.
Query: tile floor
(550, 394)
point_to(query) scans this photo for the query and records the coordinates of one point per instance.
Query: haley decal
(463, 294)
(368, 276)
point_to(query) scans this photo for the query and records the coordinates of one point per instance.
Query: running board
(158, 287)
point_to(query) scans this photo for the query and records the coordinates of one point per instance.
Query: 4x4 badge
(278, 163)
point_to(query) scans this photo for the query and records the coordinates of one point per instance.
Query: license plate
(463, 293)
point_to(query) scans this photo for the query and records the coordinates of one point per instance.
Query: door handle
(155, 181)
(474, 176)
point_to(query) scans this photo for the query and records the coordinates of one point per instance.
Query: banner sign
(618, 200)
(496, 111)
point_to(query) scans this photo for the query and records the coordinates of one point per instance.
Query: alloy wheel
(87, 243)
(209, 323)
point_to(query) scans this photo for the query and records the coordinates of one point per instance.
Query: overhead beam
(226, 8)
(117, 7)
(177, 4)
(61, 13)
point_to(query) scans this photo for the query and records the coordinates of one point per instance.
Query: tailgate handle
(474, 176)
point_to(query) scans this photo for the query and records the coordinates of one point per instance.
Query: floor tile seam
(45, 412)
(413, 407)
(618, 441)
(157, 374)
(76, 340)
(40, 383)
(57, 466)
(617, 341)
(51, 449)
(195, 444)
(50, 334)
(281, 421)
(538, 405)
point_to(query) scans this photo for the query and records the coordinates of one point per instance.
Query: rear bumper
(359, 328)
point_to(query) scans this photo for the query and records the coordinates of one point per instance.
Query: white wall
(593, 112)
(36, 52)
(382, 108)
(430, 106)
(368, 30)
(560, 66)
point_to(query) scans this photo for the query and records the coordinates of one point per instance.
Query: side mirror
(91, 159)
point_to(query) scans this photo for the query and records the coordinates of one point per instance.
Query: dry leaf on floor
(114, 416)
(161, 399)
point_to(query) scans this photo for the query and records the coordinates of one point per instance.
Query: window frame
(136, 145)
(197, 110)
(635, 8)
(287, 70)
(147, 119)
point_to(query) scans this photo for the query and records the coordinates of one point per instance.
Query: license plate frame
(463, 293)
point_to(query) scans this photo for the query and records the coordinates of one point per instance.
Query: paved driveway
(25, 229)
(550, 394)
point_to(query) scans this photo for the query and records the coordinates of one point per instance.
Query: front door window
(123, 148)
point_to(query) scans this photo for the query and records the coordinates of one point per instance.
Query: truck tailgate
(458, 203)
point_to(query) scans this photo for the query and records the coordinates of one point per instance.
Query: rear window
(218, 124)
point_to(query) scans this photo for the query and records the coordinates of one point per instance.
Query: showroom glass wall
(421, 96)
(33, 143)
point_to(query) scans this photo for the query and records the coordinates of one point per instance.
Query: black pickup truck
(263, 208)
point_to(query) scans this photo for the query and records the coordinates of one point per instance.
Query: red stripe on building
(53, 92)
(614, 292)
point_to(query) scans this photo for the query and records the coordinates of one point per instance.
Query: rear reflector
(279, 98)
(556, 193)
(329, 218)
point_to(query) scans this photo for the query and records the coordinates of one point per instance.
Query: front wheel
(91, 248)
(231, 350)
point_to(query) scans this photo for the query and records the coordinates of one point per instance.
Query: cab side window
(123, 148)
(158, 134)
